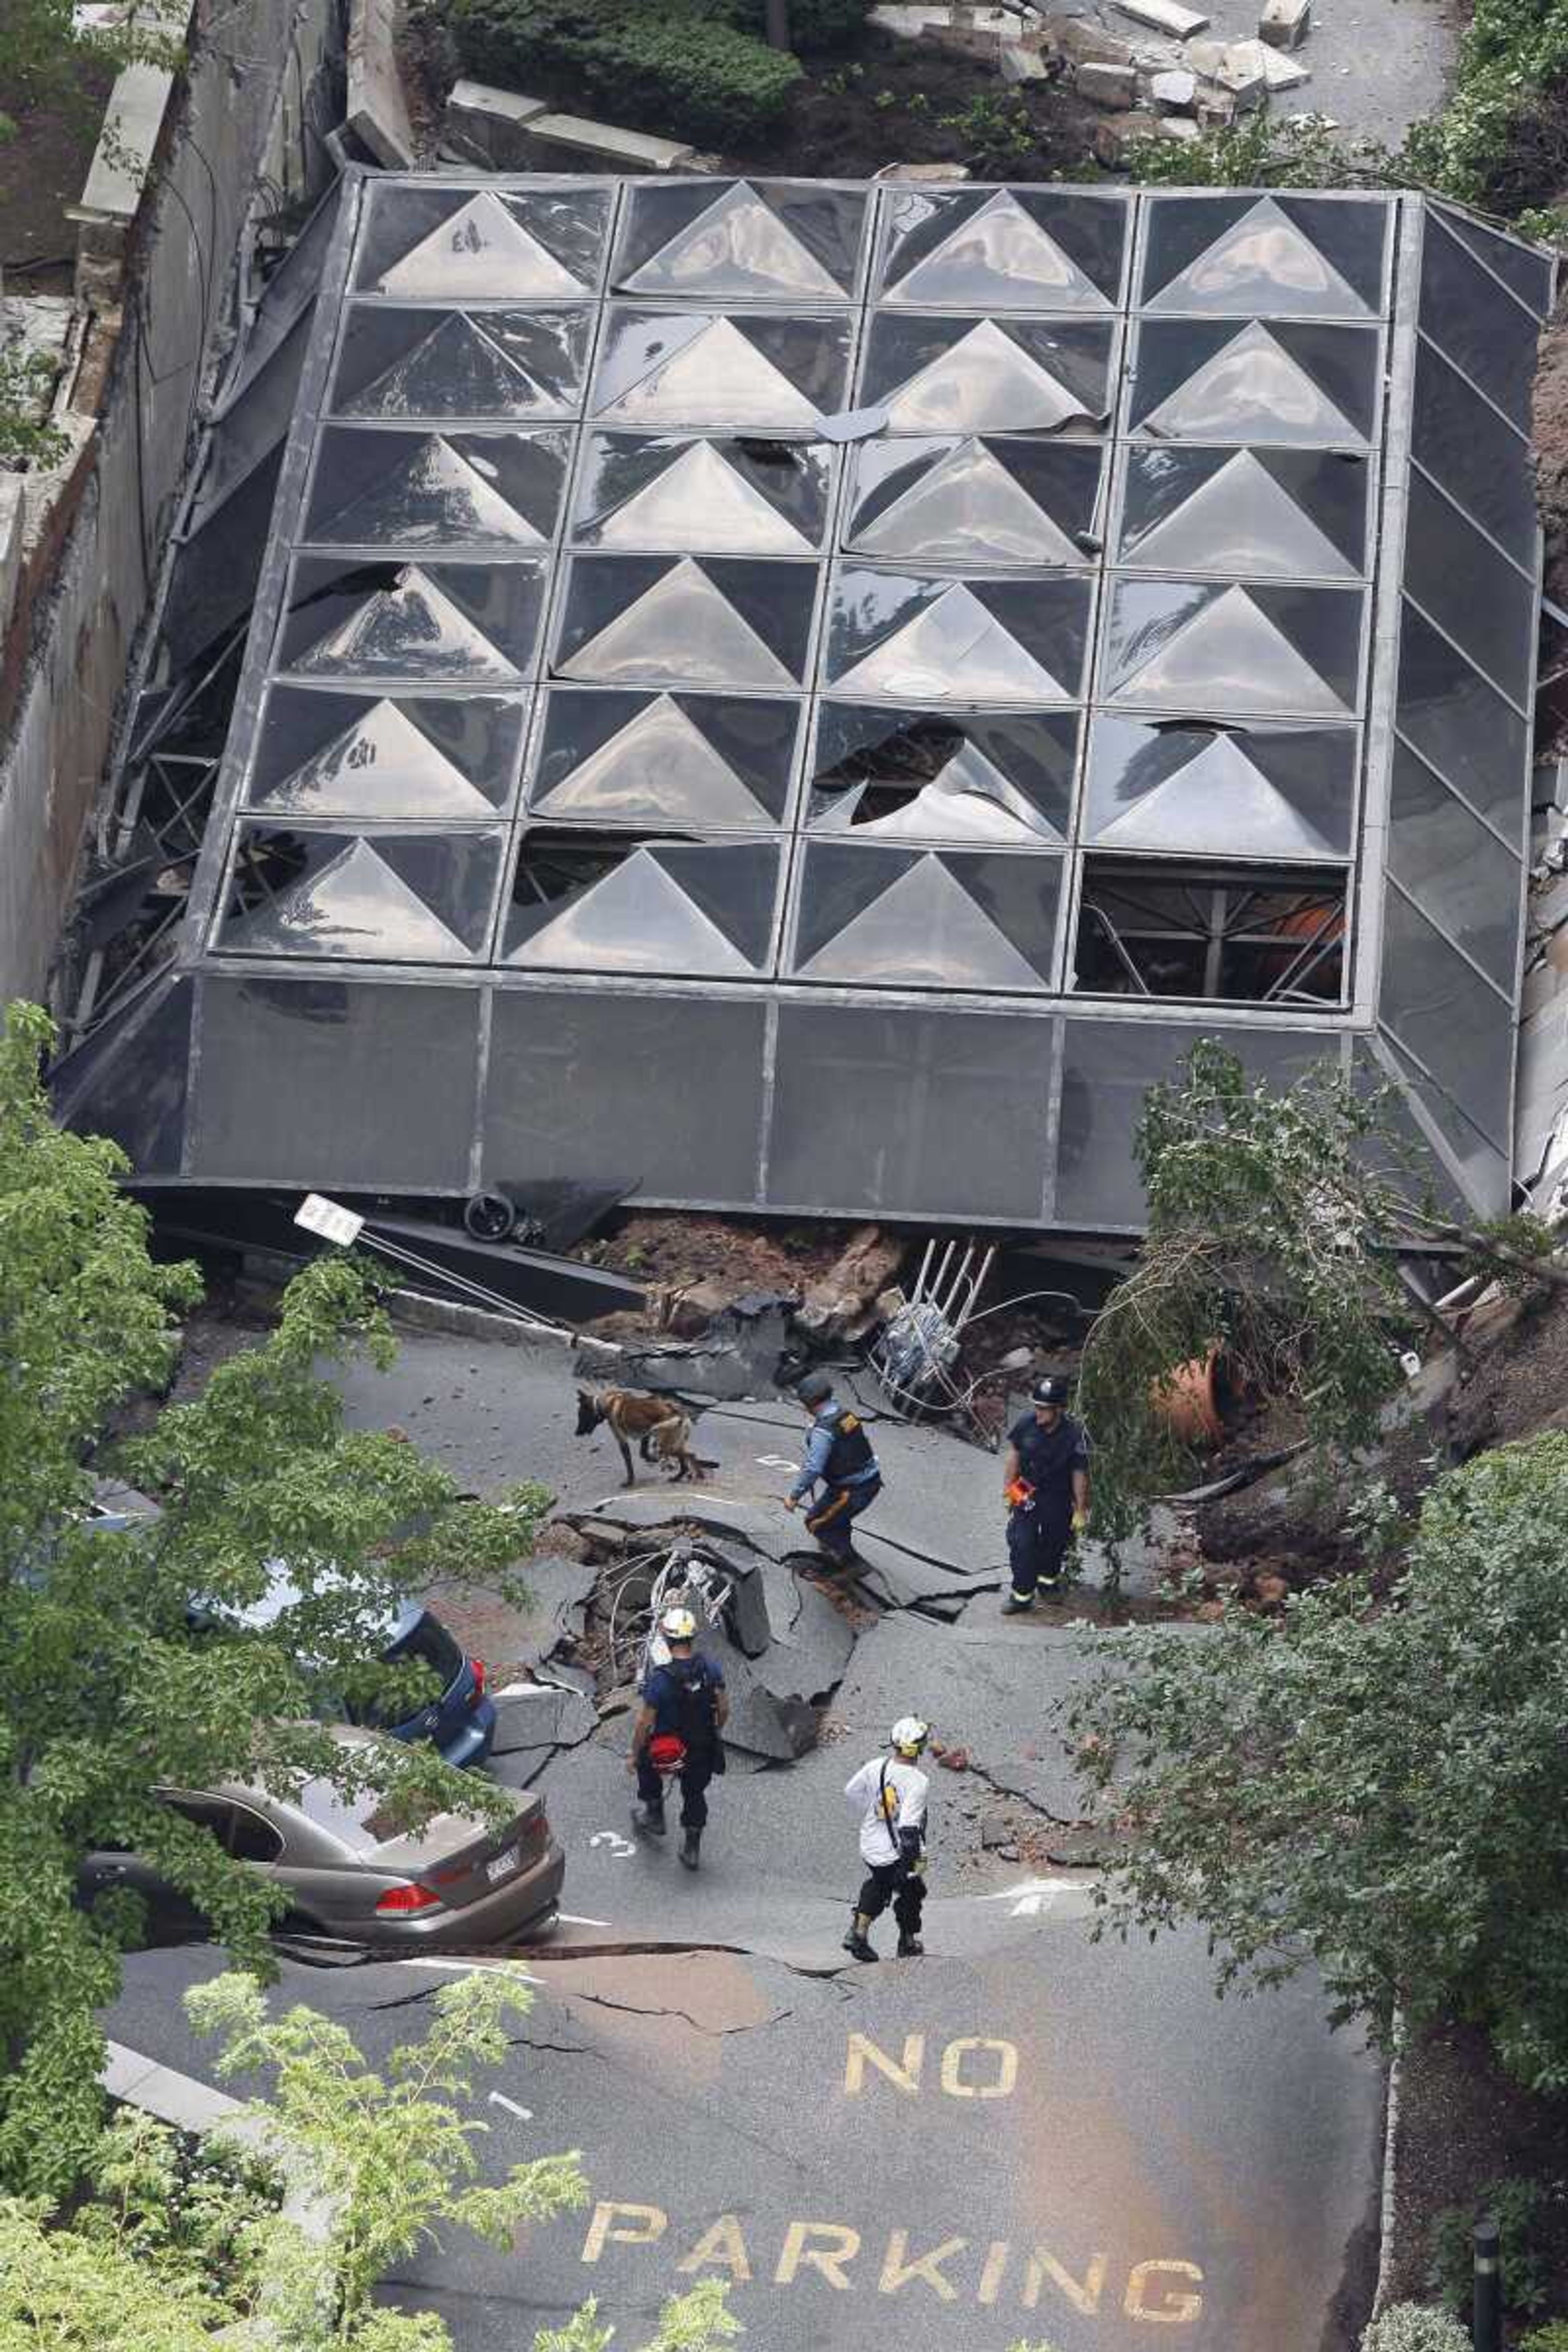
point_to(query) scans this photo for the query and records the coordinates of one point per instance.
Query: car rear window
(358, 1822)
(432, 1645)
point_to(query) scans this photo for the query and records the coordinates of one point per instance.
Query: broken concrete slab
(1163, 16)
(538, 1719)
(1115, 87)
(768, 1530)
(486, 126)
(1243, 71)
(1285, 24)
(558, 1593)
(376, 111)
(606, 145)
(900, 1580)
(1081, 42)
(1173, 94)
(1283, 72)
(1113, 139)
(1019, 64)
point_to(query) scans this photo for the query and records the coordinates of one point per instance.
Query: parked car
(460, 1719)
(460, 1879)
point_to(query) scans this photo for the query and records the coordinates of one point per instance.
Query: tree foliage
(44, 50)
(1379, 1788)
(115, 1680)
(1274, 1226)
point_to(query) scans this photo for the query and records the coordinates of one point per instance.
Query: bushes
(1515, 2205)
(682, 71)
(1410, 2328)
(814, 25)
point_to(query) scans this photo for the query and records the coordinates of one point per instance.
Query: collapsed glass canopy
(805, 696)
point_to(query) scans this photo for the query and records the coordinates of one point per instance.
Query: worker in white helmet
(676, 1737)
(890, 1795)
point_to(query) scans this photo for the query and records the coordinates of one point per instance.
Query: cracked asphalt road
(1024, 2136)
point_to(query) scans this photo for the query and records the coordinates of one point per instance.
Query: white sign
(329, 1219)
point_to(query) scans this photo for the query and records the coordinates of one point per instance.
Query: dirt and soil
(738, 1256)
(43, 167)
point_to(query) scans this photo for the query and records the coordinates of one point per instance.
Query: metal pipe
(1485, 2331)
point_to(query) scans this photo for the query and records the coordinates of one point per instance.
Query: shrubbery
(1410, 2327)
(682, 71)
(814, 25)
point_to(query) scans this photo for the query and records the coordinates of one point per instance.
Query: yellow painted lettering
(863, 2053)
(952, 2059)
(898, 2269)
(612, 2225)
(1082, 2293)
(722, 2246)
(995, 2263)
(798, 2254)
(1173, 2310)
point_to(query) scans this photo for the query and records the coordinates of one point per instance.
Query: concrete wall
(236, 118)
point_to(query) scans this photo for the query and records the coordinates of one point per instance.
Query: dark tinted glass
(1473, 593)
(1462, 727)
(1476, 323)
(1473, 455)
(1445, 1014)
(1456, 871)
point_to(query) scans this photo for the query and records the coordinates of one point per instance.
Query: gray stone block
(483, 125)
(1082, 42)
(1285, 24)
(1165, 16)
(1173, 94)
(1019, 64)
(539, 1718)
(1283, 72)
(611, 147)
(1112, 139)
(1115, 87)
(376, 111)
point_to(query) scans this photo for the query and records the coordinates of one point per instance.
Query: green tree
(112, 1686)
(389, 2155)
(1275, 1221)
(1378, 1787)
(45, 51)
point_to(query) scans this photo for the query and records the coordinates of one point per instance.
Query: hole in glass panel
(1210, 933)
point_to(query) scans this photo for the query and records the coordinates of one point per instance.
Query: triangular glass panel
(483, 249)
(986, 382)
(1217, 805)
(735, 249)
(998, 258)
(681, 617)
(970, 801)
(409, 629)
(968, 507)
(435, 496)
(1241, 520)
(954, 651)
(1262, 262)
(356, 906)
(636, 919)
(455, 370)
(718, 378)
(1230, 656)
(659, 768)
(1251, 391)
(381, 766)
(701, 505)
(925, 930)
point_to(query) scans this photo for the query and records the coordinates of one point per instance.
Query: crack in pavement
(560, 2049)
(635, 2009)
(1022, 1797)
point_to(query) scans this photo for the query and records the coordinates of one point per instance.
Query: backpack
(850, 1451)
(696, 1718)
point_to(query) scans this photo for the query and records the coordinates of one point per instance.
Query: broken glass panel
(1476, 323)
(1474, 595)
(744, 240)
(1457, 872)
(720, 623)
(1473, 455)
(908, 919)
(288, 297)
(615, 1087)
(522, 365)
(1524, 270)
(690, 762)
(1285, 384)
(935, 374)
(494, 489)
(590, 902)
(315, 1074)
(386, 898)
(1239, 792)
(1462, 726)
(128, 1081)
(253, 425)
(939, 776)
(971, 501)
(971, 641)
(451, 624)
(924, 1086)
(1266, 514)
(450, 759)
(695, 370)
(1180, 646)
(1484, 1170)
(1217, 932)
(1274, 255)
(1442, 1012)
(736, 497)
(1004, 249)
(482, 243)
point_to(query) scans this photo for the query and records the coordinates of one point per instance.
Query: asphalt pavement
(1024, 2136)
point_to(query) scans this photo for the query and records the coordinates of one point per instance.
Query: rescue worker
(890, 1795)
(1045, 1483)
(838, 1459)
(684, 1709)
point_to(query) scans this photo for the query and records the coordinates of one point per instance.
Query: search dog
(662, 1430)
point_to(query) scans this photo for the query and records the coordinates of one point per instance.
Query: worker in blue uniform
(1045, 1484)
(840, 1464)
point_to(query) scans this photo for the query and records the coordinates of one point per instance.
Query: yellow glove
(1079, 1521)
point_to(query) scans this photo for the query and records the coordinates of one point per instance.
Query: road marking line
(468, 1968)
(1031, 1897)
(575, 1919)
(500, 2099)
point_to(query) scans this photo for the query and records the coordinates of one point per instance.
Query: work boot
(691, 1849)
(858, 1943)
(649, 1819)
(1015, 1603)
(911, 1948)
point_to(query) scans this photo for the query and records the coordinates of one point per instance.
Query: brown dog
(658, 1424)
